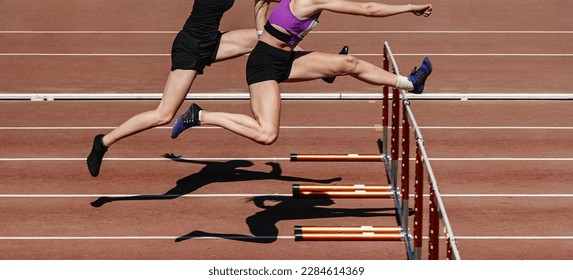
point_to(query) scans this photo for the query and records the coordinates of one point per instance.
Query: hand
(422, 10)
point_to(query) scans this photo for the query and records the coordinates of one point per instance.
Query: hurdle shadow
(262, 225)
(214, 172)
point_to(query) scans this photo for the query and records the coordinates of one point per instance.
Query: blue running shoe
(343, 51)
(418, 76)
(189, 119)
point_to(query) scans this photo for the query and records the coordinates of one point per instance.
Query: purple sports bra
(297, 28)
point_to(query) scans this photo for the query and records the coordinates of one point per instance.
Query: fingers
(423, 10)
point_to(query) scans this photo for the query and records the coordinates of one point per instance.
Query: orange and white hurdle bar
(354, 191)
(337, 157)
(352, 233)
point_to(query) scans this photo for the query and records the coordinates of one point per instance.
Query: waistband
(277, 34)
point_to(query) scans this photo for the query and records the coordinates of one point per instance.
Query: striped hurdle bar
(337, 157)
(355, 191)
(354, 233)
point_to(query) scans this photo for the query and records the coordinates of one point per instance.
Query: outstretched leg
(310, 65)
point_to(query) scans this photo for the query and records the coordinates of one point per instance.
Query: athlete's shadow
(262, 225)
(228, 171)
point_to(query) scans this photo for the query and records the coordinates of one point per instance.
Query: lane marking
(347, 96)
(514, 237)
(168, 127)
(131, 237)
(303, 127)
(354, 54)
(274, 159)
(32, 238)
(149, 159)
(265, 194)
(313, 32)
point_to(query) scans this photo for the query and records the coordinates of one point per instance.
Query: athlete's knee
(347, 64)
(350, 64)
(267, 137)
(162, 117)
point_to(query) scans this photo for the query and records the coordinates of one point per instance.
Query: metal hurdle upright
(398, 189)
(437, 212)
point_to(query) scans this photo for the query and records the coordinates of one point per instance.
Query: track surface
(503, 165)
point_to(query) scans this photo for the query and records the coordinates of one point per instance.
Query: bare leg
(236, 43)
(176, 88)
(310, 65)
(263, 127)
(233, 44)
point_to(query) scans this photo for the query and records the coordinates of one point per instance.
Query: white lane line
(31, 238)
(500, 159)
(266, 194)
(131, 195)
(274, 159)
(132, 237)
(313, 32)
(166, 127)
(150, 159)
(514, 237)
(304, 127)
(354, 54)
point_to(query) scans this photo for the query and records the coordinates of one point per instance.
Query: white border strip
(313, 32)
(30, 238)
(267, 194)
(274, 159)
(38, 96)
(372, 127)
(354, 54)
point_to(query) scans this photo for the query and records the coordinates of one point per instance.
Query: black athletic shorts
(190, 53)
(268, 63)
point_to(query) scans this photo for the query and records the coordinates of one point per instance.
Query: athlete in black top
(197, 45)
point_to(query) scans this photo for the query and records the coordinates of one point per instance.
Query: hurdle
(359, 233)
(395, 147)
(354, 191)
(337, 157)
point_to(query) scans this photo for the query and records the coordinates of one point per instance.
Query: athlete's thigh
(314, 65)
(266, 104)
(236, 43)
(176, 89)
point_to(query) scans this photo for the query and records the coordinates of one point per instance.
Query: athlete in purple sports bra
(274, 60)
(298, 28)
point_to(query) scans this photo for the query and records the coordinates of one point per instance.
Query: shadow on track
(213, 172)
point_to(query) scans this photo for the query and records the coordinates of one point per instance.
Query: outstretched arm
(370, 9)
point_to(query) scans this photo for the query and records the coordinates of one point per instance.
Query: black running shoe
(96, 155)
(189, 119)
(418, 76)
(330, 80)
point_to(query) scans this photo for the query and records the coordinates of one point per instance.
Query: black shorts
(267, 63)
(190, 53)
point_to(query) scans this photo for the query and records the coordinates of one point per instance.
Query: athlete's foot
(330, 80)
(96, 155)
(189, 119)
(418, 76)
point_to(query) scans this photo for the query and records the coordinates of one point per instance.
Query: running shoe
(330, 80)
(418, 76)
(189, 119)
(96, 155)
